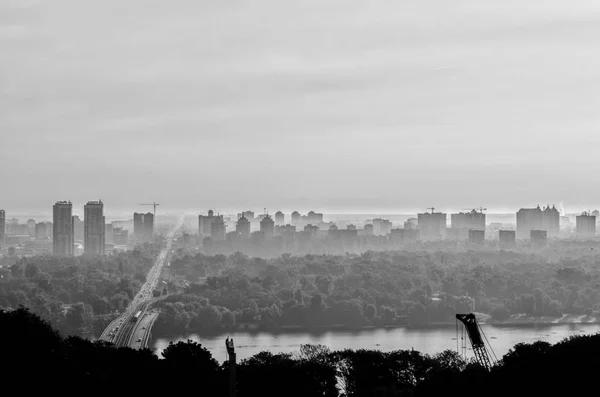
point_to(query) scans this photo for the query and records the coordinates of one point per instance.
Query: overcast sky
(336, 105)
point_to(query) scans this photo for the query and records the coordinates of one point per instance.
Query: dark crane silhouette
(475, 336)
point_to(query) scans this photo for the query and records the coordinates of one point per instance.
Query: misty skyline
(336, 106)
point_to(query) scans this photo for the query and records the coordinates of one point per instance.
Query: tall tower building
(2, 227)
(279, 218)
(267, 226)
(63, 238)
(296, 217)
(432, 226)
(218, 229)
(586, 225)
(243, 227)
(93, 228)
(205, 223)
(143, 227)
(547, 219)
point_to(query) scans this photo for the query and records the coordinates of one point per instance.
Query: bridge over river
(132, 328)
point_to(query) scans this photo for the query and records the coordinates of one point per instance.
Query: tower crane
(475, 333)
(480, 209)
(431, 208)
(152, 204)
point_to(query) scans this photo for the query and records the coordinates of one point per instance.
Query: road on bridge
(123, 331)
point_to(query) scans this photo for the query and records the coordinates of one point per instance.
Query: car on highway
(139, 339)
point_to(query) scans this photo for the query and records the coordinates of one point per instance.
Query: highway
(123, 331)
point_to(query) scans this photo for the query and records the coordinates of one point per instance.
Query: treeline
(73, 292)
(377, 288)
(36, 356)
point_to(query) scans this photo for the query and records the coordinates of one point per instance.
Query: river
(426, 340)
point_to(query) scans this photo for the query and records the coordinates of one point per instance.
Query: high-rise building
(243, 227)
(267, 227)
(108, 233)
(410, 223)
(78, 228)
(93, 228)
(249, 215)
(506, 238)
(586, 225)
(120, 236)
(296, 217)
(432, 226)
(314, 217)
(63, 238)
(473, 220)
(31, 227)
(217, 229)
(43, 230)
(476, 237)
(279, 218)
(547, 219)
(2, 227)
(143, 227)
(205, 222)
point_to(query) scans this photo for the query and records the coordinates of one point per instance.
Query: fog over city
(341, 106)
(333, 198)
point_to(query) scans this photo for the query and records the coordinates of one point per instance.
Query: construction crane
(154, 205)
(475, 333)
(431, 208)
(480, 209)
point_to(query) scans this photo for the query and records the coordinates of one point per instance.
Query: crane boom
(473, 330)
(152, 204)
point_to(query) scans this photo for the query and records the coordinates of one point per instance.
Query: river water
(427, 340)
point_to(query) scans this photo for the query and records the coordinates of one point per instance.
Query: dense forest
(376, 288)
(33, 350)
(76, 294)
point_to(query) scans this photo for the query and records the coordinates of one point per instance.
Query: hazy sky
(336, 105)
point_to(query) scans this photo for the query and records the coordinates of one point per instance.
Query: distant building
(473, 220)
(506, 238)
(381, 227)
(43, 230)
(267, 227)
(369, 229)
(108, 233)
(63, 238)
(279, 218)
(432, 226)
(31, 227)
(410, 223)
(547, 219)
(143, 227)
(2, 227)
(296, 217)
(403, 236)
(78, 228)
(350, 227)
(314, 217)
(313, 230)
(586, 225)
(243, 227)
(285, 230)
(249, 215)
(120, 236)
(93, 228)
(218, 229)
(476, 237)
(538, 238)
(205, 222)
